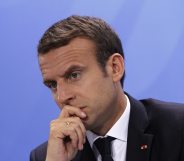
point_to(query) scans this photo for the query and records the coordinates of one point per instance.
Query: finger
(76, 128)
(76, 121)
(80, 130)
(71, 127)
(64, 132)
(71, 136)
(68, 111)
(81, 137)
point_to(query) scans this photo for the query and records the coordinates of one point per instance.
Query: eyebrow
(66, 73)
(71, 69)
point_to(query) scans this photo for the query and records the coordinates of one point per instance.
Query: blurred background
(152, 33)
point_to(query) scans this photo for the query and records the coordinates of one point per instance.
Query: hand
(67, 135)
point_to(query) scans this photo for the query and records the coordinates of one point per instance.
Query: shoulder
(165, 113)
(162, 106)
(39, 153)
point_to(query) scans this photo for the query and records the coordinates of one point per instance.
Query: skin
(90, 99)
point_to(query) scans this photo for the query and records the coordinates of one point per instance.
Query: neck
(119, 109)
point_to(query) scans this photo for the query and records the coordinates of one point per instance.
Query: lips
(82, 108)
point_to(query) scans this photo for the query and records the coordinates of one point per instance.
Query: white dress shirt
(119, 131)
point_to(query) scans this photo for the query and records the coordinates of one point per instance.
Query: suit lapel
(86, 154)
(139, 142)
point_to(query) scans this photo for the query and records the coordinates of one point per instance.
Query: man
(82, 63)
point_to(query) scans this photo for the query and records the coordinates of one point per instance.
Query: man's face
(75, 78)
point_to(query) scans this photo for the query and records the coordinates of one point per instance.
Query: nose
(64, 95)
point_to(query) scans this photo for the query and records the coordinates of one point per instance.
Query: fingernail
(84, 140)
(81, 146)
(83, 114)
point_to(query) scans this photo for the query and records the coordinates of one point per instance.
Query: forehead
(78, 51)
(76, 47)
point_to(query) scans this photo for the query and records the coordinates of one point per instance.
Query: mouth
(82, 108)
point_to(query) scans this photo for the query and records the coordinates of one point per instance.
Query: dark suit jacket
(156, 124)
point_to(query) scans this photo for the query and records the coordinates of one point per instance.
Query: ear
(116, 66)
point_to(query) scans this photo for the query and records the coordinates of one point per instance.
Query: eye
(74, 76)
(51, 85)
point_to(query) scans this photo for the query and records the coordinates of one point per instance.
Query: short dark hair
(95, 29)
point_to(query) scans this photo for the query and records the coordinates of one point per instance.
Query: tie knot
(104, 145)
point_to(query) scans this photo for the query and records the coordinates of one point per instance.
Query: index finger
(69, 111)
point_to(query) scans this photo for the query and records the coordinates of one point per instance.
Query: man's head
(83, 69)
(61, 33)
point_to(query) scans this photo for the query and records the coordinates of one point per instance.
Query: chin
(87, 124)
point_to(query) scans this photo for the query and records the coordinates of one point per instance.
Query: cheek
(96, 90)
(55, 97)
(100, 94)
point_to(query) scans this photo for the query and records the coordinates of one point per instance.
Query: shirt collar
(119, 130)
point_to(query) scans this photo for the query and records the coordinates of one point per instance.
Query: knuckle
(53, 132)
(72, 129)
(66, 108)
(53, 129)
(52, 123)
(77, 126)
(77, 119)
(54, 126)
